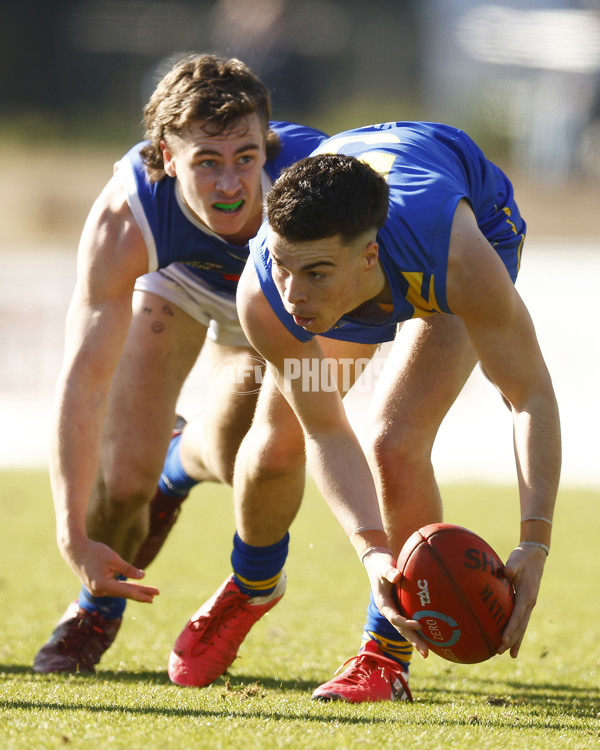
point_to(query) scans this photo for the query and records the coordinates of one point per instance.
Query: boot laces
(209, 624)
(366, 663)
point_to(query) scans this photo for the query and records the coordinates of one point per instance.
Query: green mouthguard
(228, 206)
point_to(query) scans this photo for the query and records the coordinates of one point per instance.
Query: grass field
(548, 698)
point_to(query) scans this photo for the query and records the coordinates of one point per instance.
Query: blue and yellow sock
(392, 644)
(110, 607)
(174, 480)
(257, 570)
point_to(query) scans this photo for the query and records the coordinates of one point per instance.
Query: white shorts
(213, 309)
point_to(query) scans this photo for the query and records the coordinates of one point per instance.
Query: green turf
(548, 698)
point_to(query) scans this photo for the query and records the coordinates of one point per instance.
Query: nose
(294, 293)
(228, 181)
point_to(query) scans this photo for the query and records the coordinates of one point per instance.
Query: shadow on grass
(554, 706)
(317, 715)
(227, 713)
(537, 691)
(546, 698)
(160, 677)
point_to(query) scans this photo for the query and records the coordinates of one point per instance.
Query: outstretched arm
(334, 455)
(481, 292)
(111, 255)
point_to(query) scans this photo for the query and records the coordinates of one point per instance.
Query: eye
(316, 275)
(207, 163)
(246, 159)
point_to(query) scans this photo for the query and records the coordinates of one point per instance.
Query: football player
(159, 261)
(401, 232)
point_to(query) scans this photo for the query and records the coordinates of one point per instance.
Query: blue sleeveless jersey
(429, 168)
(172, 236)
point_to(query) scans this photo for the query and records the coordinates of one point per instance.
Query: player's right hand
(97, 567)
(383, 576)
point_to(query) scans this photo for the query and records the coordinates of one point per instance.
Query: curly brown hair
(205, 87)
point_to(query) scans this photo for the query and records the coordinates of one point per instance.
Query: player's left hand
(98, 566)
(383, 576)
(524, 568)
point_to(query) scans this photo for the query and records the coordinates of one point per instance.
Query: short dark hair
(327, 195)
(216, 90)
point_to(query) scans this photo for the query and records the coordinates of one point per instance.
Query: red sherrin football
(452, 583)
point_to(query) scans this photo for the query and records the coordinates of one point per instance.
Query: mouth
(302, 322)
(228, 208)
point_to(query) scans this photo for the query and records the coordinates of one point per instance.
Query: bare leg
(210, 441)
(268, 487)
(270, 466)
(162, 346)
(269, 470)
(427, 367)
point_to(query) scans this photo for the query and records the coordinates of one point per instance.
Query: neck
(381, 286)
(244, 236)
(378, 291)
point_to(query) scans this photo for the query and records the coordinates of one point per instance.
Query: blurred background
(521, 76)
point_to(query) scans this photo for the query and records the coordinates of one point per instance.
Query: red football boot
(210, 641)
(371, 676)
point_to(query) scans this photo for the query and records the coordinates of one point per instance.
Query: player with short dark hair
(433, 273)
(159, 260)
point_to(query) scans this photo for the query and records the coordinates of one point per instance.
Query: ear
(168, 159)
(371, 254)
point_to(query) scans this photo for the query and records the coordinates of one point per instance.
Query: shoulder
(111, 207)
(477, 280)
(290, 130)
(253, 307)
(296, 141)
(111, 242)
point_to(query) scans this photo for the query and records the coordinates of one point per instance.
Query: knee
(119, 494)
(268, 453)
(396, 450)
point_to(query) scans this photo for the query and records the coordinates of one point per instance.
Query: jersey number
(380, 161)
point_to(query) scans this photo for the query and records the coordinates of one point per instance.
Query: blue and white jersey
(173, 234)
(429, 168)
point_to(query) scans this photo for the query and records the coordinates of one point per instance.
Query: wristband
(364, 538)
(536, 544)
(537, 518)
(373, 549)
